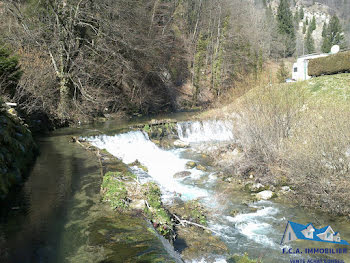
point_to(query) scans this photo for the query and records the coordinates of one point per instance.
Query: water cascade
(205, 131)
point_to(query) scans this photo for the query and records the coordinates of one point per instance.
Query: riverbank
(179, 222)
(17, 152)
(294, 135)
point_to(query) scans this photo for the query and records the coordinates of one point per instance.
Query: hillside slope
(295, 134)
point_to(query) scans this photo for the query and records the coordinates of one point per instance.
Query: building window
(290, 235)
(295, 69)
(309, 234)
(328, 235)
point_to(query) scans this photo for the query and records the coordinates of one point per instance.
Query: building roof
(297, 228)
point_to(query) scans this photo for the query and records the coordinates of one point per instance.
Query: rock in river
(181, 144)
(191, 164)
(182, 174)
(264, 195)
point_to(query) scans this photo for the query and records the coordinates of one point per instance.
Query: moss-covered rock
(139, 165)
(17, 149)
(114, 190)
(156, 212)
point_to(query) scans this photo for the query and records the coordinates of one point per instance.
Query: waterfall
(161, 164)
(204, 131)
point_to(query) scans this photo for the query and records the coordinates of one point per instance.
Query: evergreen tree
(309, 43)
(313, 24)
(10, 72)
(301, 13)
(296, 17)
(307, 21)
(304, 28)
(333, 35)
(324, 30)
(286, 27)
(282, 73)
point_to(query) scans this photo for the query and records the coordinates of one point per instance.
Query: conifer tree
(333, 35)
(282, 73)
(309, 43)
(301, 13)
(313, 24)
(304, 28)
(286, 27)
(10, 72)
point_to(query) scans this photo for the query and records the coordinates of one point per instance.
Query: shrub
(10, 72)
(330, 65)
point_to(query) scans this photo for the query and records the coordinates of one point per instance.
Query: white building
(300, 68)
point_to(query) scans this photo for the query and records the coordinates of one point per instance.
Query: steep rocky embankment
(17, 149)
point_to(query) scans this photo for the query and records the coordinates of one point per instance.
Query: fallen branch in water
(186, 222)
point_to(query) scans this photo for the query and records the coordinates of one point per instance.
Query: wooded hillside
(80, 59)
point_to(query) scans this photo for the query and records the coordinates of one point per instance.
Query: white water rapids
(251, 231)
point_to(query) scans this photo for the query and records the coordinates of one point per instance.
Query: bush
(10, 72)
(290, 135)
(330, 65)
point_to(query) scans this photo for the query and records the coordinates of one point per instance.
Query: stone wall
(17, 149)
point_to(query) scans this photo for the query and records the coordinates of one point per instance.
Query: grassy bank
(297, 134)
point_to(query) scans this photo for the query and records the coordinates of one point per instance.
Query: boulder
(201, 167)
(181, 144)
(138, 204)
(191, 164)
(285, 188)
(257, 187)
(182, 174)
(264, 195)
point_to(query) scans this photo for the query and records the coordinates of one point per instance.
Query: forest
(74, 60)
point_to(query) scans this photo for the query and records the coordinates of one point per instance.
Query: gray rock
(182, 174)
(181, 144)
(191, 164)
(264, 195)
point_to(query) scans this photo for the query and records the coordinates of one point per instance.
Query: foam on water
(254, 226)
(161, 164)
(204, 131)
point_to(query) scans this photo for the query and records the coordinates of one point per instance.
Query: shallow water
(57, 215)
(256, 230)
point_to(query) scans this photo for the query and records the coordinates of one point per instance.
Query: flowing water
(57, 215)
(259, 227)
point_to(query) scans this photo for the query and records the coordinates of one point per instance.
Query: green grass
(157, 214)
(116, 193)
(328, 88)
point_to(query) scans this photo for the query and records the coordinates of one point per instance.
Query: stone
(257, 187)
(264, 195)
(285, 188)
(201, 167)
(191, 164)
(233, 213)
(138, 205)
(12, 111)
(182, 174)
(181, 144)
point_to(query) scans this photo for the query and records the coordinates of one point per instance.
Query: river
(57, 215)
